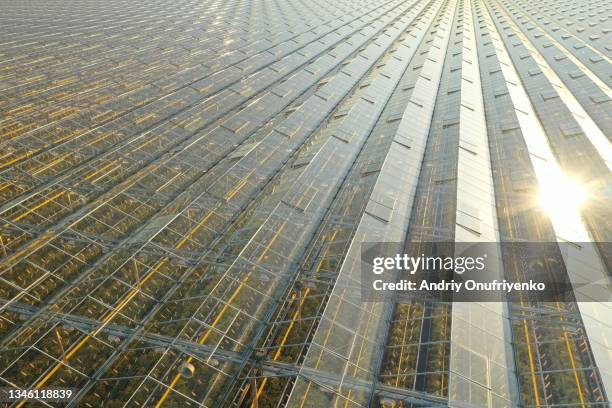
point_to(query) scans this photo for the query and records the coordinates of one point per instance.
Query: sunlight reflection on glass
(561, 196)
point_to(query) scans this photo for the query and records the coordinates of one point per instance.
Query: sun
(560, 195)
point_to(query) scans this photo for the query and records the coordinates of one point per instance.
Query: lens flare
(561, 196)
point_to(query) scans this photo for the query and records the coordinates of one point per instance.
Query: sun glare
(561, 195)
